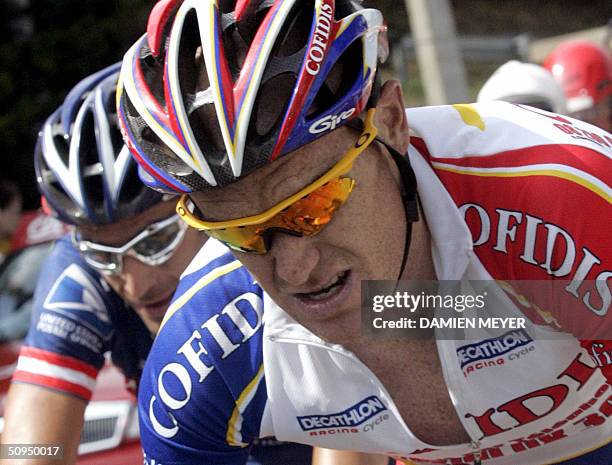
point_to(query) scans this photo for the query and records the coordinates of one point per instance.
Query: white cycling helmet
(524, 83)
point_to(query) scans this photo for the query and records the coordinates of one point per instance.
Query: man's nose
(295, 258)
(138, 278)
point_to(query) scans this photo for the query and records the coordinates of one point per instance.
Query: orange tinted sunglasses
(305, 213)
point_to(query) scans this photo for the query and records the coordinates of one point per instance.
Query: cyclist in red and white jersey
(270, 117)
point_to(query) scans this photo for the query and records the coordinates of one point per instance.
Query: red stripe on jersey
(60, 360)
(53, 383)
(421, 147)
(590, 161)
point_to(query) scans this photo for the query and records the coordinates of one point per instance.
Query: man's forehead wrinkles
(286, 174)
(308, 163)
(231, 200)
(273, 183)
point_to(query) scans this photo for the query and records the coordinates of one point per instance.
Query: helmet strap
(409, 197)
(408, 178)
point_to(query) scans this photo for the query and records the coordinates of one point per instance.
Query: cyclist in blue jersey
(106, 287)
(270, 117)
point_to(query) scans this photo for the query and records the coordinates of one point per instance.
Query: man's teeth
(329, 290)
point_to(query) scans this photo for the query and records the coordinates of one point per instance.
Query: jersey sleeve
(70, 327)
(202, 393)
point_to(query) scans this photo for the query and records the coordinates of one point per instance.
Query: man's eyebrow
(288, 174)
(319, 170)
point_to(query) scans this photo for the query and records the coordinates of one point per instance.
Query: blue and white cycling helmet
(84, 171)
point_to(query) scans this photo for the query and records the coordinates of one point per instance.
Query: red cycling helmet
(584, 70)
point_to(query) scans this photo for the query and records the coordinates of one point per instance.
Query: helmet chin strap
(409, 189)
(408, 178)
(409, 197)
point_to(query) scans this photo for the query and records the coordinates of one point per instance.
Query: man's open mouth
(328, 292)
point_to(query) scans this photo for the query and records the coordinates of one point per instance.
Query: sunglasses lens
(101, 261)
(306, 217)
(310, 214)
(158, 242)
(244, 239)
(153, 246)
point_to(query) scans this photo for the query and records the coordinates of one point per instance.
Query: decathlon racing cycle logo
(491, 352)
(346, 421)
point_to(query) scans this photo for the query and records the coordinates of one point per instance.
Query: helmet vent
(271, 104)
(294, 35)
(61, 144)
(339, 80)
(130, 190)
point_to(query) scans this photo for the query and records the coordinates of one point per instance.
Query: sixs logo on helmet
(195, 97)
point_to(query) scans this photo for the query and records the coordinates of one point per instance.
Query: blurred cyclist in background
(584, 70)
(30, 248)
(106, 286)
(10, 211)
(110, 281)
(524, 83)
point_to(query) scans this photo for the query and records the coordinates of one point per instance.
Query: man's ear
(390, 118)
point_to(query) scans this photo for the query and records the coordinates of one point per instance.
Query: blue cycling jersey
(219, 337)
(77, 318)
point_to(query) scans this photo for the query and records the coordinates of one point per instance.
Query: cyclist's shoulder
(66, 271)
(69, 294)
(71, 325)
(63, 254)
(216, 317)
(207, 358)
(78, 314)
(212, 285)
(487, 131)
(483, 152)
